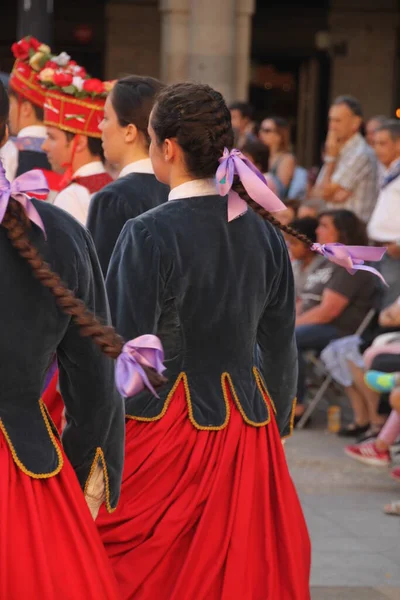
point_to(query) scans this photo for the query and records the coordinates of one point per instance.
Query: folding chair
(328, 381)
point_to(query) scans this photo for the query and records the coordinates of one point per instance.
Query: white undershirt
(194, 189)
(138, 166)
(75, 199)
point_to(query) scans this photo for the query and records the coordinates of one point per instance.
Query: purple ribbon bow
(130, 376)
(32, 181)
(352, 258)
(235, 163)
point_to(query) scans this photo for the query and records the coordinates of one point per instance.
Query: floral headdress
(63, 74)
(30, 57)
(74, 101)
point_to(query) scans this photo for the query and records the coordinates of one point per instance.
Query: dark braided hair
(132, 99)
(17, 224)
(200, 121)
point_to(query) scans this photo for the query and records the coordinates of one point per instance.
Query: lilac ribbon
(32, 181)
(235, 163)
(130, 376)
(352, 258)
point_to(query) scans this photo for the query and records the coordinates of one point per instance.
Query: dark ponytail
(132, 99)
(200, 121)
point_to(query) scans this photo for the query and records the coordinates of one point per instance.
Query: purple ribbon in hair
(130, 376)
(235, 163)
(32, 181)
(352, 258)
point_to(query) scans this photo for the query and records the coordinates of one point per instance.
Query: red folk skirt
(49, 546)
(206, 515)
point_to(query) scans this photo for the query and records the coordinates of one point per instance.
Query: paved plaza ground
(356, 548)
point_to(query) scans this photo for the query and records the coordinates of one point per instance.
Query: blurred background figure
(242, 123)
(274, 133)
(349, 177)
(372, 125)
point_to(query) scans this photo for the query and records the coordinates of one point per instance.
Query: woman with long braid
(208, 509)
(49, 545)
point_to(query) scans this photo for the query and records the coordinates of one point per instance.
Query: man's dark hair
(392, 126)
(94, 145)
(245, 109)
(38, 110)
(352, 103)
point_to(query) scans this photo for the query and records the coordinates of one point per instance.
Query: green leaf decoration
(31, 52)
(69, 89)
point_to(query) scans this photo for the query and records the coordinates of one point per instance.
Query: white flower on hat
(78, 83)
(62, 59)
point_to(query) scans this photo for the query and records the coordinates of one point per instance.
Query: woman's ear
(131, 133)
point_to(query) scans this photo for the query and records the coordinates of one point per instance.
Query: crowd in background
(353, 199)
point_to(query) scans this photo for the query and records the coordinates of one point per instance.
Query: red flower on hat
(21, 49)
(62, 79)
(93, 86)
(51, 65)
(35, 44)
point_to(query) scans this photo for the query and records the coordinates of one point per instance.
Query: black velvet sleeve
(135, 282)
(108, 214)
(276, 339)
(95, 413)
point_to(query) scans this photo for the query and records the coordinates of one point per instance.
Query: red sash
(93, 183)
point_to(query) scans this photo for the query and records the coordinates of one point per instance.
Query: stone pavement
(356, 548)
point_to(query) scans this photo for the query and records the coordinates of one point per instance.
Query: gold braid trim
(35, 87)
(52, 438)
(99, 457)
(190, 407)
(165, 407)
(71, 100)
(71, 129)
(291, 420)
(263, 388)
(237, 401)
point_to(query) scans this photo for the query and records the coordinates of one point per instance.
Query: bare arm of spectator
(331, 306)
(390, 317)
(286, 169)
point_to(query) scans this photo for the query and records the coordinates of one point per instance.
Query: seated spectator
(310, 208)
(258, 154)
(349, 177)
(274, 133)
(346, 365)
(304, 261)
(333, 302)
(242, 123)
(384, 225)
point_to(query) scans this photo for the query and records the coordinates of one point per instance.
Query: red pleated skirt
(206, 515)
(49, 545)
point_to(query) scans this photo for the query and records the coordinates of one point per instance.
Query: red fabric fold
(206, 515)
(49, 545)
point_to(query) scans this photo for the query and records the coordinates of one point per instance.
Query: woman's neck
(132, 156)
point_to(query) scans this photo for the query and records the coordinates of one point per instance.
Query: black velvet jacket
(33, 329)
(115, 204)
(221, 298)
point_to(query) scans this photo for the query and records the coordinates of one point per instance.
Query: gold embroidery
(52, 438)
(291, 420)
(99, 456)
(166, 404)
(190, 407)
(262, 387)
(244, 416)
(72, 100)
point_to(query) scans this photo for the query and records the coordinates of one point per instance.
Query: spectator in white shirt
(349, 177)
(384, 226)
